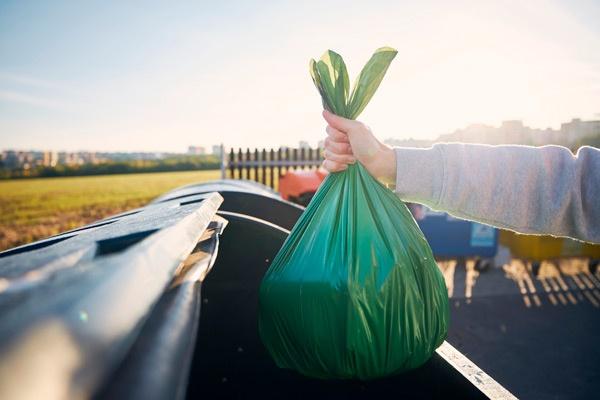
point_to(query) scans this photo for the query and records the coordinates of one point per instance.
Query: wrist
(385, 170)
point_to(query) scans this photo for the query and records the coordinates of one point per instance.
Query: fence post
(248, 159)
(256, 178)
(223, 162)
(264, 167)
(295, 158)
(279, 158)
(272, 169)
(288, 157)
(232, 163)
(239, 163)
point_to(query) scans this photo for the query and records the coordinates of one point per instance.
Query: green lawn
(31, 209)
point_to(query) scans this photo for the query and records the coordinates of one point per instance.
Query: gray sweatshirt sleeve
(536, 190)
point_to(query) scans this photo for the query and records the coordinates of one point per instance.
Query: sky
(163, 75)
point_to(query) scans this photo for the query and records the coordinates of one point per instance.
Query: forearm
(542, 190)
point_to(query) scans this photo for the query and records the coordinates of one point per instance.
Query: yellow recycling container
(538, 248)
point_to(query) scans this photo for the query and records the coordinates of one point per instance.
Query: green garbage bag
(355, 291)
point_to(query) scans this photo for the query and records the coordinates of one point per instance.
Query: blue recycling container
(451, 237)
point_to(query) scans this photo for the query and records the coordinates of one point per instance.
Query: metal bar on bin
(71, 309)
(482, 381)
(169, 335)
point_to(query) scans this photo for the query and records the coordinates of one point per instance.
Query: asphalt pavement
(537, 336)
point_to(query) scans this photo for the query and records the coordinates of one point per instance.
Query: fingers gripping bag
(354, 291)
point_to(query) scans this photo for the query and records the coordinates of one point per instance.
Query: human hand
(348, 140)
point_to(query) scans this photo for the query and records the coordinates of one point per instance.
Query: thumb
(335, 121)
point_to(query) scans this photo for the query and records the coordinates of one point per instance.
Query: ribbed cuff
(419, 174)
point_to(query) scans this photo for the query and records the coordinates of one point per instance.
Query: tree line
(176, 163)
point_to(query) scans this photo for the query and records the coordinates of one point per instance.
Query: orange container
(295, 183)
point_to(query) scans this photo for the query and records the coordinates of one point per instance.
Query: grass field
(32, 209)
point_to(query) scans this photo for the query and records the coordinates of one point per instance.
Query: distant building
(303, 145)
(578, 129)
(68, 158)
(11, 159)
(50, 159)
(216, 150)
(515, 132)
(196, 150)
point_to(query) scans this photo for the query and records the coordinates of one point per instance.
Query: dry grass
(36, 208)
